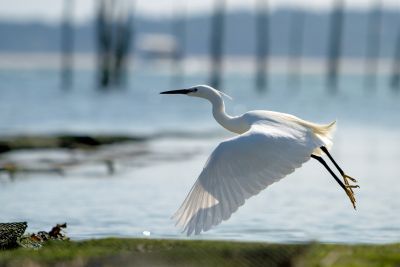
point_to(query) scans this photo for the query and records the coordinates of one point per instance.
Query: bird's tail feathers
(324, 133)
(325, 130)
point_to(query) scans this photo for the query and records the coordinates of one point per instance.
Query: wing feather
(241, 167)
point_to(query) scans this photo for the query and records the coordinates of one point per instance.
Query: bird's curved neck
(228, 122)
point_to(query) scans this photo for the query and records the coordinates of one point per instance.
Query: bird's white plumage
(241, 167)
(270, 145)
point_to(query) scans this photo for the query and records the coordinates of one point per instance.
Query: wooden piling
(335, 45)
(216, 43)
(104, 43)
(395, 78)
(296, 36)
(262, 45)
(114, 37)
(67, 44)
(373, 45)
(179, 31)
(124, 35)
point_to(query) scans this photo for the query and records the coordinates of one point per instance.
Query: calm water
(149, 187)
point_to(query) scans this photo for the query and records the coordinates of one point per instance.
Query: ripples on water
(140, 198)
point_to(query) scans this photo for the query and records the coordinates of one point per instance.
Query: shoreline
(170, 252)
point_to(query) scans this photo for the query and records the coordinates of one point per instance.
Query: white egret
(269, 146)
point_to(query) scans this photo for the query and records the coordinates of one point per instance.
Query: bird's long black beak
(175, 92)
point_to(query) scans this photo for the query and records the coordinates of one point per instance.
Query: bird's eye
(195, 90)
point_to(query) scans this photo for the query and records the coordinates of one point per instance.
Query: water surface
(147, 189)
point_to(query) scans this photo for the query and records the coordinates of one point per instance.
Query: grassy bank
(147, 252)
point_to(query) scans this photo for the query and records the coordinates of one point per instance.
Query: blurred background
(86, 138)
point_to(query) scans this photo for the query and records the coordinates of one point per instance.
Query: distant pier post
(123, 39)
(179, 30)
(216, 43)
(373, 45)
(395, 78)
(296, 35)
(114, 35)
(67, 44)
(262, 45)
(335, 44)
(104, 43)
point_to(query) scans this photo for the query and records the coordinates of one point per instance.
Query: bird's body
(268, 146)
(321, 133)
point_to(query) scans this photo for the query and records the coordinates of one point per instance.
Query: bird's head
(202, 91)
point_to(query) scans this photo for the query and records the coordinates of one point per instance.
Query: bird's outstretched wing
(241, 167)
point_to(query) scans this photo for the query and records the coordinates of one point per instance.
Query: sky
(51, 10)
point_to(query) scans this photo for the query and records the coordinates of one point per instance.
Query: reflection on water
(140, 198)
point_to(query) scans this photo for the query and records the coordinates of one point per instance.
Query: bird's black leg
(322, 161)
(346, 178)
(325, 150)
(346, 188)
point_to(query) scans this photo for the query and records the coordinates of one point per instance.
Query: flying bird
(268, 146)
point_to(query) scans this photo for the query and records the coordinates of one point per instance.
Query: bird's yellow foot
(349, 188)
(350, 194)
(352, 186)
(345, 177)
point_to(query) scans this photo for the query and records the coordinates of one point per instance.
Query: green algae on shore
(149, 252)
